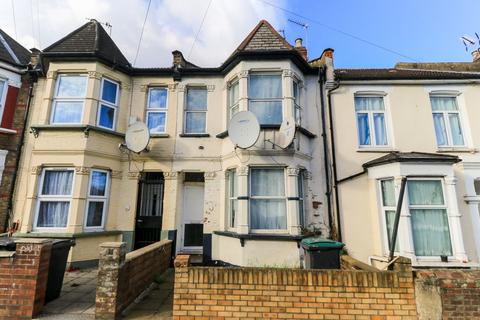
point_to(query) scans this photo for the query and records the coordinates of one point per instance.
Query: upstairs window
(371, 127)
(233, 99)
(157, 110)
(69, 99)
(232, 201)
(107, 110)
(296, 101)
(97, 199)
(54, 198)
(196, 111)
(446, 118)
(265, 98)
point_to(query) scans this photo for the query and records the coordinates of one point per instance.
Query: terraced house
(240, 207)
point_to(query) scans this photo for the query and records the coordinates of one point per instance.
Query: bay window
(446, 119)
(97, 199)
(389, 208)
(233, 99)
(267, 199)
(157, 110)
(371, 127)
(265, 98)
(232, 201)
(54, 196)
(296, 100)
(196, 111)
(108, 105)
(69, 99)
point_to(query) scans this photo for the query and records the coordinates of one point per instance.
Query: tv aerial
(137, 137)
(470, 42)
(244, 129)
(304, 26)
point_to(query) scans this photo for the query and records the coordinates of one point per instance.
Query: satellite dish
(286, 133)
(244, 129)
(137, 137)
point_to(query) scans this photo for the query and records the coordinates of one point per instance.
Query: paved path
(158, 304)
(77, 299)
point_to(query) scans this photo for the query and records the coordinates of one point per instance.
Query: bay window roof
(414, 157)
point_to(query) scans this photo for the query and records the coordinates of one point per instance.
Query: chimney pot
(178, 59)
(298, 42)
(476, 55)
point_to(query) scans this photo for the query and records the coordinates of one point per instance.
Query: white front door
(192, 226)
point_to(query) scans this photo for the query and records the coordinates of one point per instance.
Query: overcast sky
(426, 30)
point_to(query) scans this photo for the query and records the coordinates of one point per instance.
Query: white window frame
(383, 211)
(446, 120)
(157, 110)
(53, 198)
(186, 111)
(3, 97)
(108, 104)
(250, 198)
(302, 214)
(93, 198)
(297, 106)
(272, 73)
(68, 99)
(237, 102)
(373, 143)
(231, 199)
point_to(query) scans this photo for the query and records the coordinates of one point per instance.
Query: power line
(200, 28)
(38, 25)
(33, 28)
(340, 31)
(14, 21)
(141, 34)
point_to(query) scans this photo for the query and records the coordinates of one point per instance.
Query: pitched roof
(401, 74)
(91, 39)
(12, 52)
(264, 37)
(412, 157)
(441, 66)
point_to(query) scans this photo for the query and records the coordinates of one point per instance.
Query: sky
(364, 34)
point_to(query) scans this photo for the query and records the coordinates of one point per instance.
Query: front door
(192, 226)
(148, 225)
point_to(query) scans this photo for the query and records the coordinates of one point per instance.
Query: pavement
(77, 299)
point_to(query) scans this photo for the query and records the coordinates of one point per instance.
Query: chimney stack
(178, 59)
(35, 57)
(476, 55)
(300, 48)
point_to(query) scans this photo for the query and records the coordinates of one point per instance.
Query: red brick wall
(23, 279)
(260, 293)
(459, 291)
(122, 277)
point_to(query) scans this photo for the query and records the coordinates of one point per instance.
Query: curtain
(268, 213)
(197, 99)
(425, 192)
(267, 112)
(156, 121)
(57, 182)
(95, 213)
(431, 234)
(388, 193)
(53, 214)
(363, 129)
(380, 131)
(265, 86)
(195, 122)
(455, 129)
(72, 86)
(67, 112)
(440, 130)
(233, 94)
(390, 220)
(369, 104)
(98, 183)
(444, 103)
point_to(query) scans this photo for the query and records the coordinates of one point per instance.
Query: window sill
(159, 135)
(260, 237)
(53, 234)
(194, 135)
(456, 150)
(8, 131)
(374, 150)
(439, 264)
(73, 127)
(302, 130)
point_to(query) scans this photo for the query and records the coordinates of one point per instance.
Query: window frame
(93, 198)
(446, 121)
(231, 199)
(371, 124)
(108, 104)
(157, 110)
(3, 96)
(53, 198)
(297, 106)
(56, 99)
(250, 198)
(280, 99)
(231, 84)
(383, 209)
(186, 111)
(302, 217)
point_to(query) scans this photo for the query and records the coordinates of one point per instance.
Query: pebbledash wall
(23, 278)
(259, 293)
(122, 277)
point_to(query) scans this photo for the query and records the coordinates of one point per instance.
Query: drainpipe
(334, 162)
(32, 79)
(321, 79)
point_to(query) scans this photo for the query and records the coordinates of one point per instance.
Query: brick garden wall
(260, 293)
(122, 277)
(448, 294)
(23, 279)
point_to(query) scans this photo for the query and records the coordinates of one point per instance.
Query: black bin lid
(7, 244)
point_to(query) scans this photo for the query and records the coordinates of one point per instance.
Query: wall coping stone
(139, 252)
(33, 240)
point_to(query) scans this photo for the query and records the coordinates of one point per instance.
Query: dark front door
(148, 225)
